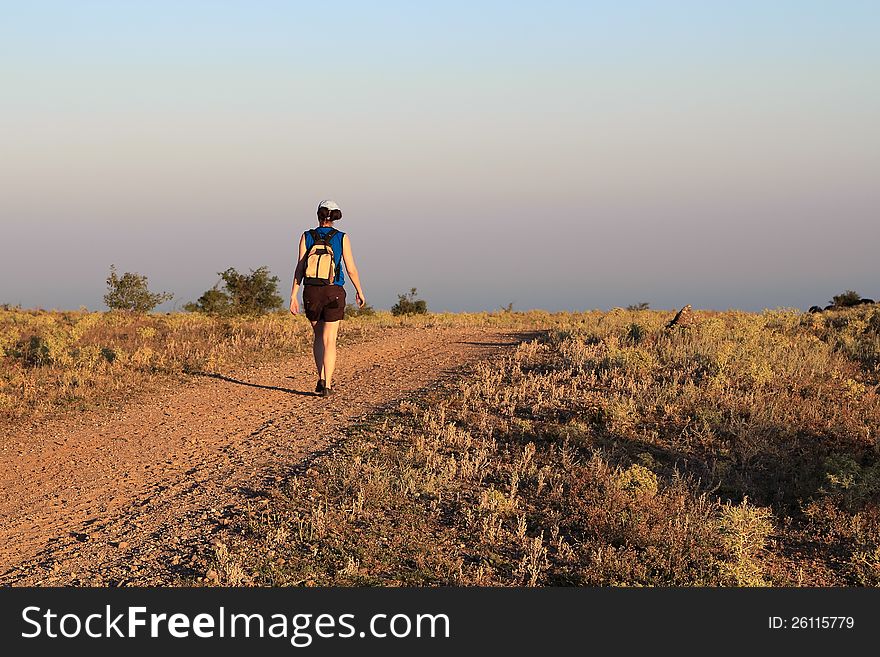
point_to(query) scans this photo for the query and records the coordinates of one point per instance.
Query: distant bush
(212, 302)
(642, 305)
(351, 310)
(409, 304)
(846, 299)
(130, 292)
(242, 294)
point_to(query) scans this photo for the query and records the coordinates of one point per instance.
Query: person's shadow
(223, 377)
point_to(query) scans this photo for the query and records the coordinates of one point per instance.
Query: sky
(556, 155)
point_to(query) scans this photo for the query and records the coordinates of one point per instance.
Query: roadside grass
(741, 452)
(610, 451)
(69, 362)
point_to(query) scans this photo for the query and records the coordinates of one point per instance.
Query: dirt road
(129, 499)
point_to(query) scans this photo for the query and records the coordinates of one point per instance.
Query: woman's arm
(350, 267)
(298, 274)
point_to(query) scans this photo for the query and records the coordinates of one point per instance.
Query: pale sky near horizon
(558, 155)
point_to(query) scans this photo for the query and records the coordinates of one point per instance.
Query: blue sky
(558, 155)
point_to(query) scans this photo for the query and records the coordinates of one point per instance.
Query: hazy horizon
(565, 156)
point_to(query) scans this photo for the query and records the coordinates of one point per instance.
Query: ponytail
(325, 214)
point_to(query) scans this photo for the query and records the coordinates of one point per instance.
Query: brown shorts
(324, 302)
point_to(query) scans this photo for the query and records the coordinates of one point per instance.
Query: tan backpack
(320, 260)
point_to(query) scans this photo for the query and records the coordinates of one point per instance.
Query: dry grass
(611, 451)
(52, 362)
(56, 362)
(741, 452)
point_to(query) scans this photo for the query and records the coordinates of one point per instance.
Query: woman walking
(322, 251)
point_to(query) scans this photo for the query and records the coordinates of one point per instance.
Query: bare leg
(318, 347)
(329, 335)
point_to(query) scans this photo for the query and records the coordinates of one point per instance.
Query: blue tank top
(336, 245)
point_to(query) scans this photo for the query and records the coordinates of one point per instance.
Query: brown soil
(135, 497)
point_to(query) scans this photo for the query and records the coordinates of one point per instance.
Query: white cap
(330, 205)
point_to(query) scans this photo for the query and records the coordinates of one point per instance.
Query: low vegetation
(130, 292)
(73, 361)
(607, 450)
(846, 299)
(53, 362)
(409, 304)
(255, 293)
(612, 451)
(352, 311)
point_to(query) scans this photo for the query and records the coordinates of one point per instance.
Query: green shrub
(213, 302)
(351, 310)
(409, 304)
(243, 294)
(36, 351)
(849, 483)
(636, 333)
(130, 292)
(846, 299)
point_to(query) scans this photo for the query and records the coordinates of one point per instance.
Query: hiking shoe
(320, 387)
(326, 392)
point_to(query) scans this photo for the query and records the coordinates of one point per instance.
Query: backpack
(320, 262)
